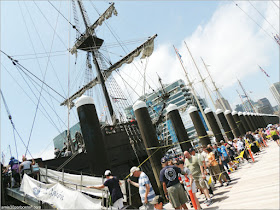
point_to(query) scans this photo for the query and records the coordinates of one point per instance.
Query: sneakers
(209, 202)
(227, 184)
(221, 185)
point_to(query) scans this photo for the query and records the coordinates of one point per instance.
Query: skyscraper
(275, 89)
(179, 95)
(239, 108)
(220, 103)
(264, 106)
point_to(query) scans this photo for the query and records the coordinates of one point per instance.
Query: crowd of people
(198, 169)
(17, 169)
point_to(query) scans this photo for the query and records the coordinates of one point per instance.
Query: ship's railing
(51, 176)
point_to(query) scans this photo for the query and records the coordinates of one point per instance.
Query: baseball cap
(163, 160)
(221, 141)
(133, 169)
(107, 173)
(157, 199)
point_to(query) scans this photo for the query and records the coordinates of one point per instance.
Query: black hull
(120, 155)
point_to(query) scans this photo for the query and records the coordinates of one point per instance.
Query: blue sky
(230, 42)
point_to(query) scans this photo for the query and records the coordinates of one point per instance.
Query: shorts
(217, 173)
(118, 204)
(177, 195)
(200, 183)
(275, 137)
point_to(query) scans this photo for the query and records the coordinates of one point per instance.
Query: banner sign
(58, 195)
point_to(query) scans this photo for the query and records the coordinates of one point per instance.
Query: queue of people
(178, 174)
(17, 169)
(218, 161)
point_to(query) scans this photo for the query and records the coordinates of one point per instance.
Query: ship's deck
(253, 185)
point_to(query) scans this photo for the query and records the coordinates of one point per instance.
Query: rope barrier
(143, 162)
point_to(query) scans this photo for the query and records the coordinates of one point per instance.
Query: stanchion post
(189, 188)
(81, 180)
(129, 191)
(46, 174)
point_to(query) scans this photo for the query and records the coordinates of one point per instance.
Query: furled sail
(146, 49)
(106, 15)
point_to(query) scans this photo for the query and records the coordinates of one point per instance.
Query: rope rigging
(263, 17)
(45, 115)
(253, 20)
(50, 25)
(16, 63)
(73, 26)
(13, 125)
(275, 4)
(33, 47)
(44, 76)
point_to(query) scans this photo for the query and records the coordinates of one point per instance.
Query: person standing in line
(146, 191)
(25, 166)
(113, 184)
(172, 188)
(275, 135)
(224, 155)
(214, 165)
(188, 172)
(14, 164)
(193, 162)
(240, 148)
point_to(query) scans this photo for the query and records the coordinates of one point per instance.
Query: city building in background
(239, 108)
(264, 106)
(179, 95)
(220, 102)
(275, 89)
(250, 106)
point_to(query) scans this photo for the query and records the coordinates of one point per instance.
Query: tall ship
(109, 132)
(114, 143)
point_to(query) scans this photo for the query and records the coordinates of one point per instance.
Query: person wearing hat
(194, 163)
(172, 188)
(158, 202)
(146, 191)
(114, 188)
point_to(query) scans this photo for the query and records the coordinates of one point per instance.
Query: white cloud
(230, 42)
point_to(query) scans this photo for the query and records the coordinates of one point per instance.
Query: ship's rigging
(113, 94)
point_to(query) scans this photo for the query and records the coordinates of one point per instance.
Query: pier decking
(253, 186)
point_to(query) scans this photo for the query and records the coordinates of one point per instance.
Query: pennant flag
(264, 71)
(178, 53)
(277, 38)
